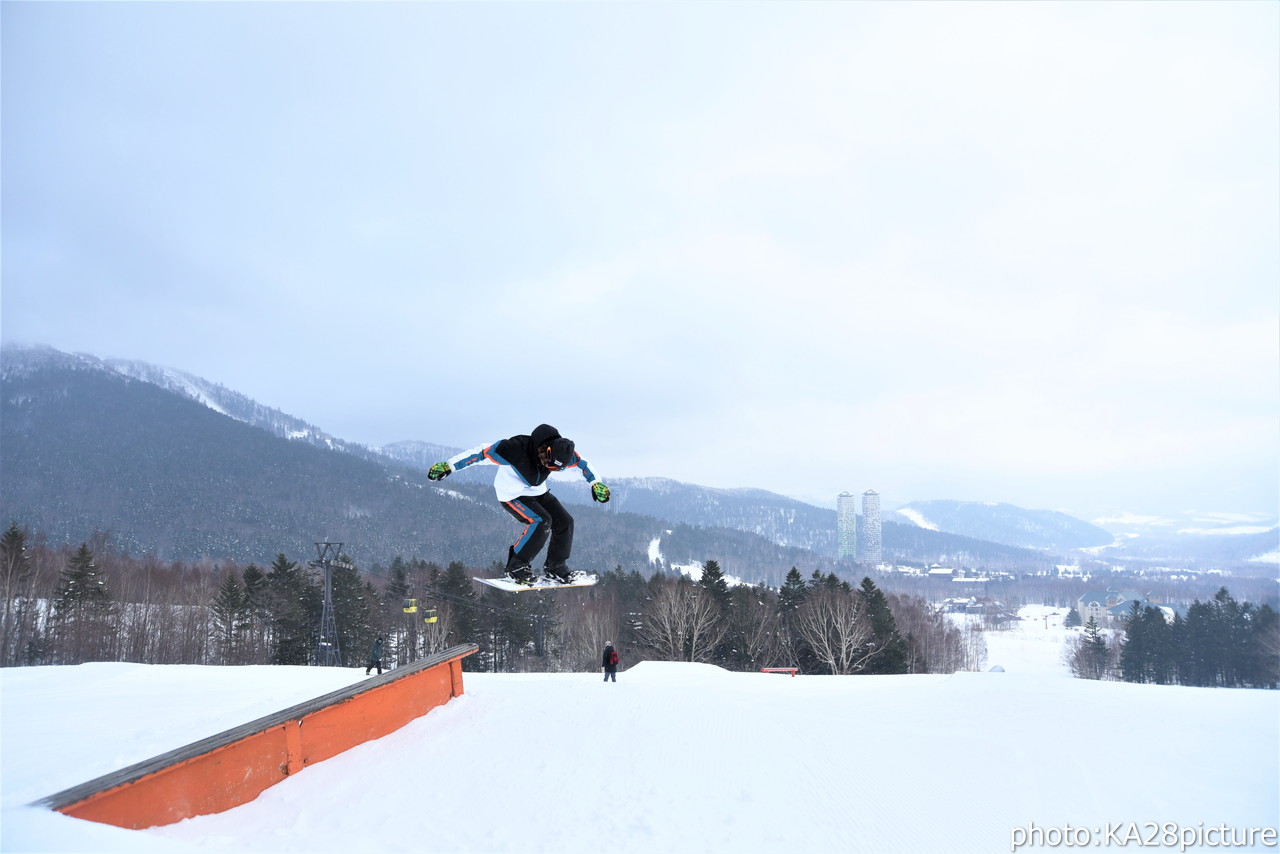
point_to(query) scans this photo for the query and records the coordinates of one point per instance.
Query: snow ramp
(235, 766)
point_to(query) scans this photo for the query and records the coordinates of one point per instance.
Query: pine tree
(1234, 647)
(354, 611)
(1147, 654)
(1265, 667)
(1225, 643)
(397, 589)
(791, 598)
(82, 610)
(401, 629)
(714, 583)
(1160, 637)
(717, 588)
(295, 605)
(464, 627)
(792, 594)
(230, 612)
(1133, 650)
(544, 616)
(892, 657)
(257, 615)
(630, 590)
(507, 626)
(1198, 657)
(1090, 658)
(1072, 619)
(15, 572)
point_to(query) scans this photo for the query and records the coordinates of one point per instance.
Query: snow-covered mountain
(1005, 523)
(20, 360)
(416, 454)
(917, 531)
(1203, 539)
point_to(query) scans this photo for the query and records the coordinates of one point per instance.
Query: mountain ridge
(694, 522)
(1006, 523)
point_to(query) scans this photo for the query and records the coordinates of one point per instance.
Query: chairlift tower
(327, 652)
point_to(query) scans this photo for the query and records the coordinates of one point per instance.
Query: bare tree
(834, 624)
(682, 623)
(138, 614)
(585, 628)
(935, 643)
(663, 625)
(975, 648)
(706, 624)
(756, 632)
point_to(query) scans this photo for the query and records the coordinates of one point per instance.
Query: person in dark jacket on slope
(375, 658)
(524, 464)
(610, 662)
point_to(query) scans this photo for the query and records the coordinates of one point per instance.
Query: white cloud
(924, 247)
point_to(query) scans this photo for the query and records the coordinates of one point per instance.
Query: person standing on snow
(524, 463)
(610, 662)
(375, 658)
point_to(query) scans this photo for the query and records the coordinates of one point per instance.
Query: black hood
(543, 434)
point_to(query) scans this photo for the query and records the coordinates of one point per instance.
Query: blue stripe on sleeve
(471, 460)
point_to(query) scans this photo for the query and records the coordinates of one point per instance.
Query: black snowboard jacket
(521, 472)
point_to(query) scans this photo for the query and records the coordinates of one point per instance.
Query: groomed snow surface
(676, 758)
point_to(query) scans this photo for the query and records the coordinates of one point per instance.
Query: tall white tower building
(846, 527)
(871, 549)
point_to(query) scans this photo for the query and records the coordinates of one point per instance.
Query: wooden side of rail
(234, 767)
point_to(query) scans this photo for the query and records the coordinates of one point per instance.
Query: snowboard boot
(518, 571)
(520, 575)
(558, 572)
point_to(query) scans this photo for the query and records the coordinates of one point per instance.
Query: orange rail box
(234, 767)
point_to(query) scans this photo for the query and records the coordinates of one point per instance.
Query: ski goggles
(548, 461)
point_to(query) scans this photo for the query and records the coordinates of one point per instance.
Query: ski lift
(429, 615)
(411, 606)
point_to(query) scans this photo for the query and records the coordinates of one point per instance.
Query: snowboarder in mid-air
(524, 464)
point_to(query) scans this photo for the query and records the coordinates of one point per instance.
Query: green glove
(600, 492)
(439, 471)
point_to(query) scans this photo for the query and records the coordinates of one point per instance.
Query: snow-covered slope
(674, 757)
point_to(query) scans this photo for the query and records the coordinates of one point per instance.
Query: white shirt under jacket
(508, 483)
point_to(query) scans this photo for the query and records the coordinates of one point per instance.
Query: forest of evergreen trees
(92, 603)
(1221, 643)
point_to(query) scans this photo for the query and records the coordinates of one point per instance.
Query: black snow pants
(543, 516)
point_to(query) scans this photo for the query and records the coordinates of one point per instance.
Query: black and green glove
(439, 471)
(600, 492)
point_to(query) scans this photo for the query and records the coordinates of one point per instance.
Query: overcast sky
(1022, 252)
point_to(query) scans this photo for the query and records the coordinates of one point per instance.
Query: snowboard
(580, 579)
